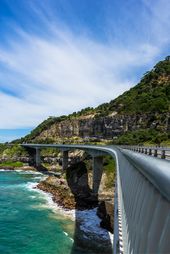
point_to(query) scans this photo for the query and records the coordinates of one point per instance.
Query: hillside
(139, 115)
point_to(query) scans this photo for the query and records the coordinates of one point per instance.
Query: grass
(11, 164)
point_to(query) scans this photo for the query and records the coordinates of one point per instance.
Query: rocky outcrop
(24, 159)
(72, 192)
(106, 214)
(77, 179)
(105, 127)
(26, 168)
(60, 191)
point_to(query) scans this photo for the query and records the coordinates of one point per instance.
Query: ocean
(30, 223)
(27, 224)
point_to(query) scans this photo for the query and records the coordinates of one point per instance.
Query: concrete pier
(97, 172)
(32, 155)
(37, 158)
(65, 160)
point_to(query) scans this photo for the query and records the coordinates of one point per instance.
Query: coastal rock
(88, 233)
(60, 191)
(107, 127)
(105, 211)
(77, 179)
(75, 193)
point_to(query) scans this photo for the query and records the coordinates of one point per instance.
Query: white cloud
(64, 73)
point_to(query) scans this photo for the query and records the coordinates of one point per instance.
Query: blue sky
(58, 56)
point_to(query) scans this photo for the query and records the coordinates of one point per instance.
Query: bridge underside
(97, 162)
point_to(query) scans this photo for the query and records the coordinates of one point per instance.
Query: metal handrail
(151, 150)
(156, 170)
(147, 147)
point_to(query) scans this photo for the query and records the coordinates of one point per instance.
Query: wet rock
(106, 213)
(77, 179)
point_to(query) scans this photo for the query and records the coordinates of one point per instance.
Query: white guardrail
(143, 203)
(160, 152)
(142, 199)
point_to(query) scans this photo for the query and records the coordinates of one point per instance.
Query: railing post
(116, 226)
(155, 153)
(150, 151)
(145, 150)
(163, 154)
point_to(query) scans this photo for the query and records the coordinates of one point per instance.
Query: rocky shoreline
(88, 231)
(59, 190)
(26, 168)
(71, 191)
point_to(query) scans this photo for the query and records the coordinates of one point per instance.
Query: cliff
(144, 107)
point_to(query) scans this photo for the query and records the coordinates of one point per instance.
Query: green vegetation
(2, 148)
(11, 164)
(143, 137)
(110, 171)
(152, 94)
(49, 152)
(11, 151)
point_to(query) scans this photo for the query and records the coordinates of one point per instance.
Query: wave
(68, 236)
(28, 172)
(90, 224)
(89, 221)
(6, 170)
(31, 185)
(50, 204)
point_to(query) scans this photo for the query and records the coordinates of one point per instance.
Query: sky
(59, 56)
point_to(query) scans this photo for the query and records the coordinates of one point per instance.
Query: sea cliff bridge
(142, 193)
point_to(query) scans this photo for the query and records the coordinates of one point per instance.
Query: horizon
(53, 54)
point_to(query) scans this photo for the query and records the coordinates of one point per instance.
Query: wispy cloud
(65, 71)
(158, 21)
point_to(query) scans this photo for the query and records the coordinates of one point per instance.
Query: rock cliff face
(105, 127)
(145, 106)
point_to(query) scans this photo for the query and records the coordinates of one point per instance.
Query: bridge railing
(160, 152)
(143, 187)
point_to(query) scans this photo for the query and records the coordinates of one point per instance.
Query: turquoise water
(27, 225)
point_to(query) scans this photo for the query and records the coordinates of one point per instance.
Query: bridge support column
(65, 160)
(37, 158)
(97, 172)
(32, 156)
